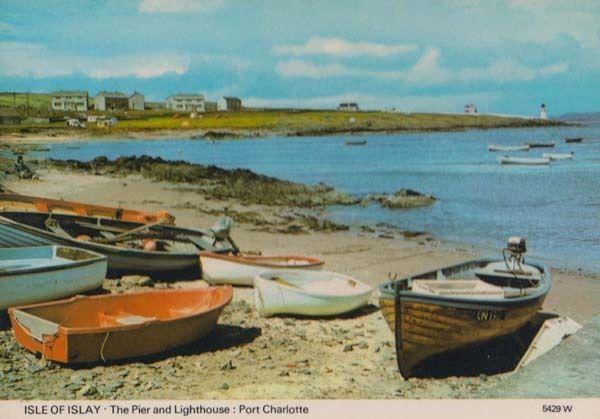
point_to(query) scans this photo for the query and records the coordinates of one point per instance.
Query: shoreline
(248, 356)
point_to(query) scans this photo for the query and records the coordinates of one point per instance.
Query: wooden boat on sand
(447, 309)
(152, 249)
(241, 269)
(118, 326)
(33, 274)
(308, 293)
(494, 147)
(16, 202)
(558, 156)
(524, 161)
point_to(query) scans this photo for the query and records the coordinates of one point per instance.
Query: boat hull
(82, 345)
(523, 161)
(49, 282)
(271, 298)
(121, 260)
(16, 202)
(493, 147)
(430, 325)
(233, 270)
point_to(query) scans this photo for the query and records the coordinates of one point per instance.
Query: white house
(348, 107)
(543, 114)
(470, 109)
(186, 102)
(228, 103)
(137, 102)
(111, 101)
(68, 101)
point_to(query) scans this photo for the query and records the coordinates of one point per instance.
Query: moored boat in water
(447, 309)
(525, 161)
(17, 202)
(118, 326)
(558, 156)
(571, 140)
(308, 293)
(241, 269)
(540, 145)
(132, 248)
(495, 147)
(355, 142)
(33, 274)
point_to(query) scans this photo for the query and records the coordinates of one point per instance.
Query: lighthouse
(543, 114)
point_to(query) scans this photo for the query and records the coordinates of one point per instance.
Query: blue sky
(506, 56)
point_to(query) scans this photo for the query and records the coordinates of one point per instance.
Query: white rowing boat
(527, 161)
(308, 293)
(241, 269)
(558, 156)
(494, 147)
(34, 274)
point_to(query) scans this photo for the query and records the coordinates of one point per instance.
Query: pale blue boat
(35, 274)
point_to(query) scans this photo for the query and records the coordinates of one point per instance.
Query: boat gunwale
(66, 330)
(312, 293)
(386, 290)
(248, 260)
(72, 264)
(113, 248)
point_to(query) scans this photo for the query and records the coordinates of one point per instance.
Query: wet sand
(274, 358)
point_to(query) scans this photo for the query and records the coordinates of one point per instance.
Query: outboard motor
(516, 247)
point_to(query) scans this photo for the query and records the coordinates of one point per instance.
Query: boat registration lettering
(490, 315)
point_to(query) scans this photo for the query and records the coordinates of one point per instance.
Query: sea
(479, 201)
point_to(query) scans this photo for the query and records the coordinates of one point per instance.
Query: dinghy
(33, 274)
(152, 249)
(308, 293)
(525, 161)
(540, 145)
(558, 156)
(446, 309)
(118, 326)
(16, 202)
(494, 147)
(241, 269)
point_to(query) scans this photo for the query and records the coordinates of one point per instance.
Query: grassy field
(36, 100)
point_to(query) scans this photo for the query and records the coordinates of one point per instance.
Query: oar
(128, 233)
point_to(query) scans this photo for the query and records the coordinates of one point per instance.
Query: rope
(102, 347)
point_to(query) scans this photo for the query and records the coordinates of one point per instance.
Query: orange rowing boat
(118, 326)
(16, 202)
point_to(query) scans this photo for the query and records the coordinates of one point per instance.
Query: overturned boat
(17, 202)
(462, 305)
(118, 326)
(495, 147)
(153, 249)
(308, 293)
(33, 274)
(241, 269)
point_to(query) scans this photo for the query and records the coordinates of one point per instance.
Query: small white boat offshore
(558, 156)
(241, 269)
(308, 293)
(494, 147)
(527, 161)
(34, 274)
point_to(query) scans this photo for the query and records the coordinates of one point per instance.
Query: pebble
(348, 348)
(88, 390)
(224, 386)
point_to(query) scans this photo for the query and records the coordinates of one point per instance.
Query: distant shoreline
(255, 124)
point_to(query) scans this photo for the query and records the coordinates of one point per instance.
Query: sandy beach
(252, 357)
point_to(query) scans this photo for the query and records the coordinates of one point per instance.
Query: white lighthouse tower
(543, 114)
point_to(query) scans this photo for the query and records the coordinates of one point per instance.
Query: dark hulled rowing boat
(155, 250)
(431, 316)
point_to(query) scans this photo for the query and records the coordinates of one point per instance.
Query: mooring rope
(102, 347)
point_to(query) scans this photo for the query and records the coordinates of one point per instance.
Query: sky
(505, 56)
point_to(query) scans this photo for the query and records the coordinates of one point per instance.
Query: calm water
(557, 208)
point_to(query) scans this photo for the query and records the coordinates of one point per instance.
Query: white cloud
(179, 6)
(33, 60)
(416, 103)
(339, 47)
(426, 71)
